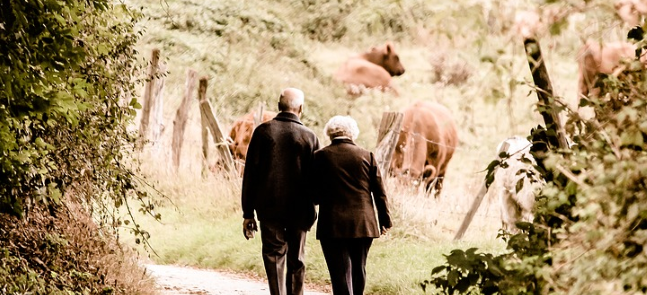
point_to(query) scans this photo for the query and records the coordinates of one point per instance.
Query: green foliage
(590, 223)
(603, 187)
(67, 76)
(66, 79)
(335, 20)
(464, 269)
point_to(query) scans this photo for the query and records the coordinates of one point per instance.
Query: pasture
(462, 55)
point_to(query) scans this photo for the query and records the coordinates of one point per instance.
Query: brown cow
(241, 134)
(595, 58)
(371, 69)
(426, 144)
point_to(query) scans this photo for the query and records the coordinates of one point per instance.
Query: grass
(203, 227)
(250, 53)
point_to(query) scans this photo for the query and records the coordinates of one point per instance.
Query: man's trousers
(283, 246)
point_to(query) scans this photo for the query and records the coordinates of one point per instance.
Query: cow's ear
(389, 48)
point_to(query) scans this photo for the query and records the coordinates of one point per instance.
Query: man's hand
(249, 227)
(384, 230)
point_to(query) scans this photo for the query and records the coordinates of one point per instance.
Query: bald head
(291, 100)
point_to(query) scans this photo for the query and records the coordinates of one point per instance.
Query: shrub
(67, 77)
(590, 224)
(448, 71)
(64, 252)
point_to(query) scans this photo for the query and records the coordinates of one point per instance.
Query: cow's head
(386, 57)
(400, 168)
(240, 134)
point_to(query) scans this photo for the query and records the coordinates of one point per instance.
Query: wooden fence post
(209, 120)
(202, 94)
(156, 124)
(387, 138)
(179, 124)
(148, 96)
(544, 92)
(471, 212)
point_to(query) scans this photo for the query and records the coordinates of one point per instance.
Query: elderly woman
(353, 207)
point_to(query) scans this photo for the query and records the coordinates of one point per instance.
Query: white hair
(341, 126)
(291, 98)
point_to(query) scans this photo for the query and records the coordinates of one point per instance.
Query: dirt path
(178, 280)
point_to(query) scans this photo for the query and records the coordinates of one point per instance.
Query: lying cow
(241, 134)
(371, 69)
(426, 144)
(516, 205)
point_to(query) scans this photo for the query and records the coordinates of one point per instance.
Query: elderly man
(278, 161)
(350, 196)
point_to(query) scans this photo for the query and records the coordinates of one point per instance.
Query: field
(464, 55)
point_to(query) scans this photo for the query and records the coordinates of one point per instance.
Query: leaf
(135, 104)
(462, 286)
(40, 143)
(489, 177)
(452, 278)
(55, 194)
(438, 269)
(519, 186)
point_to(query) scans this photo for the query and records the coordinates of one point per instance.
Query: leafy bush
(66, 79)
(590, 226)
(67, 76)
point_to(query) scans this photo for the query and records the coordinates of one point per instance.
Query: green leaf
(519, 186)
(40, 143)
(438, 269)
(452, 278)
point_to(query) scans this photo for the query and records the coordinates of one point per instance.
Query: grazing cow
(241, 134)
(426, 144)
(371, 69)
(631, 11)
(516, 205)
(595, 58)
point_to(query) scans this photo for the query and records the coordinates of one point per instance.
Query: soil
(180, 280)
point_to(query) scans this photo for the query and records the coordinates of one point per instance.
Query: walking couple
(287, 174)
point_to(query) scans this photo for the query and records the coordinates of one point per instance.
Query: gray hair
(341, 126)
(291, 99)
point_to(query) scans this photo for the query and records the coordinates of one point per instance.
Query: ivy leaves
(64, 69)
(466, 269)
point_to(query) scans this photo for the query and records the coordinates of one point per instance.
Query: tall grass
(251, 50)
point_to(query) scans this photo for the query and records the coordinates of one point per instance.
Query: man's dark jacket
(345, 177)
(279, 160)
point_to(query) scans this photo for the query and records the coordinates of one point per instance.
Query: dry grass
(64, 251)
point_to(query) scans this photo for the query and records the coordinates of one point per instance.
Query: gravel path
(179, 280)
